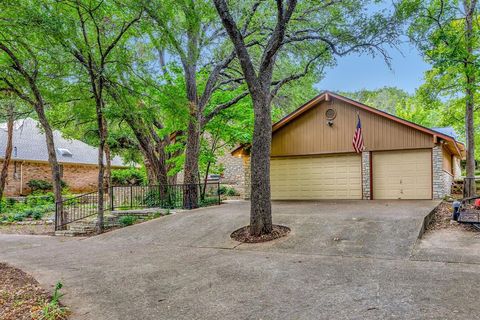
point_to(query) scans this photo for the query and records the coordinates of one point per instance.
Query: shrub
(127, 177)
(152, 198)
(39, 185)
(37, 215)
(18, 217)
(42, 185)
(228, 191)
(126, 221)
(10, 202)
(208, 202)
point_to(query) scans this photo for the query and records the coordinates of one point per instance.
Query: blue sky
(355, 72)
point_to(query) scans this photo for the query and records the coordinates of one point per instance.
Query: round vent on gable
(330, 114)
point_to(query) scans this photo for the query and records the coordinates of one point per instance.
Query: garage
(333, 147)
(315, 178)
(405, 174)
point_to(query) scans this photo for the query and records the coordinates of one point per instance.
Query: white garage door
(320, 177)
(405, 174)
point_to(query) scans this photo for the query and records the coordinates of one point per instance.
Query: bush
(37, 215)
(127, 177)
(126, 221)
(152, 198)
(18, 217)
(39, 185)
(228, 191)
(42, 185)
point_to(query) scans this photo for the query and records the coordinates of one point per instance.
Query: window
(16, 171)
(65, 152)
(61, 170)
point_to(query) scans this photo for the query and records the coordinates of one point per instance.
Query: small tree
(446, 32)
(8, 148)
(90, 31)
(23, 71)
(312, 30)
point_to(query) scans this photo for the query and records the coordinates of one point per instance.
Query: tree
(8, 148)
(446, 32)
(24, 72)
(190, 31)
(314, 30)
(90, 31)
(388, 99)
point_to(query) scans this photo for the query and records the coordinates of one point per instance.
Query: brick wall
(79, 178)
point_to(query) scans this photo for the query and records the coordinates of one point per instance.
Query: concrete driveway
(343, 260)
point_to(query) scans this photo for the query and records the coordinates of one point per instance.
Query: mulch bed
(442, 219)
(243, 234)
(45, 229)
(21, 297)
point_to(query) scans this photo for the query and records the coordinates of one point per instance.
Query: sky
(356, 72)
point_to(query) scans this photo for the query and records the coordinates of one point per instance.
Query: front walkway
(344, 260)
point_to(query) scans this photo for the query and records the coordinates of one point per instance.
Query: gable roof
(29, 144)
(327, 95)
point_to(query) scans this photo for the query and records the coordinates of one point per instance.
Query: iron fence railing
(76, 208)
(185, 196)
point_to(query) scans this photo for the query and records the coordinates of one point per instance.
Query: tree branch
(222, 107)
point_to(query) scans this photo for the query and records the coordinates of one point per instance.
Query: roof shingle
(29, 144)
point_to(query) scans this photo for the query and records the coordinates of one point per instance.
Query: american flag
(358, 138)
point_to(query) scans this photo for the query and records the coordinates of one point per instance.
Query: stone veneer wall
(233, 175)
(442, 180)
(247, 180)
(366, 192)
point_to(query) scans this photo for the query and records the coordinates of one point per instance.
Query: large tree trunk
(108, 161)
(470, 186)
(192, 150)
(8, 150)
(101, 166)
(52, 159)
(153, 151)
(261, 210)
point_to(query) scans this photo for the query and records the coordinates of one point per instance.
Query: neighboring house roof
(29, 144)
(326, 95)
(449, 131)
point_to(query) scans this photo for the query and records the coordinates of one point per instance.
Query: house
(78, 160)
(312, 155)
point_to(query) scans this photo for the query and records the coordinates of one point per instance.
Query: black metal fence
(178, 196)
(76, 208)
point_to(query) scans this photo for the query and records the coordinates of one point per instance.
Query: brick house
(312, 156)
(29, 160)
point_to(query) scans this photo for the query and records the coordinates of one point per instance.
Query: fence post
(218, 192)
(131, 196)
(111, 198)
(56, 216)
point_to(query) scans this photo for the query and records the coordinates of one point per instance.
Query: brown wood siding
(447, 161)
(310, 134)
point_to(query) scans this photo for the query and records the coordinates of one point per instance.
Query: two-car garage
(314, 155)
(405, 174)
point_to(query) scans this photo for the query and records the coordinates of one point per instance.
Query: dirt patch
(243, 234)
(442, 219)
(47, 229)
(21, 297)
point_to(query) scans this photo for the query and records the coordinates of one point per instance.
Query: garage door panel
(402, 174)
(322, 177)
